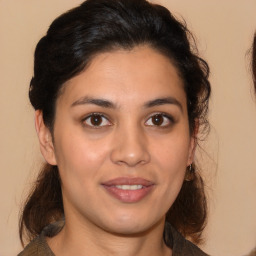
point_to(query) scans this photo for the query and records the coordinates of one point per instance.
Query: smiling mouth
(129, 190)
(129, 187)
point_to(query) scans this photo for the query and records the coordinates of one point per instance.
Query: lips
(128, 190)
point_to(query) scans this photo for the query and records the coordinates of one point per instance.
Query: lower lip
(128, 196)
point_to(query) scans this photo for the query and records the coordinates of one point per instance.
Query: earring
(190, 173)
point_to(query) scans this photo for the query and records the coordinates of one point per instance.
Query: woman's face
(122, 141)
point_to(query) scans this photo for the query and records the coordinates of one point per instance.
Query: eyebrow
(99, 102)
(163, 101)
(108, 104)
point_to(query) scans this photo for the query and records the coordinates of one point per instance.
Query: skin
(127, 142)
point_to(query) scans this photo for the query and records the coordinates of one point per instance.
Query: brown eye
(157, 120)
(161, 120)
(97, 120)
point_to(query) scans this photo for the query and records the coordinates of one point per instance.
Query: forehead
(138, 74)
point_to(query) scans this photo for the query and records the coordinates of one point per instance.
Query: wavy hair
(254, 61)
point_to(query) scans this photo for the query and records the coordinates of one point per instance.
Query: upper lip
(128, 181)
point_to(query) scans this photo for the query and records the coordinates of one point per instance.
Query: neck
(84, 240)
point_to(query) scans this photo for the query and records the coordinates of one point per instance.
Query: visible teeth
(129, 187)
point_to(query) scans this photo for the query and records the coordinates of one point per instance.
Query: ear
(45, 139)
(193, 144)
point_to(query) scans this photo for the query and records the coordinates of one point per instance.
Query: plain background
(224, 31)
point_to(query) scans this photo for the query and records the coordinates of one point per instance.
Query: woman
(120, 98)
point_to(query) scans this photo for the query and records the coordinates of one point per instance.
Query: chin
(127, 230)
(127, 225)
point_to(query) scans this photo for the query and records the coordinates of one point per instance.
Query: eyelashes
(100, 120)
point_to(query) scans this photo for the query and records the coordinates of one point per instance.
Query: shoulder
(180, 246)
(31, 249)
(37, 247)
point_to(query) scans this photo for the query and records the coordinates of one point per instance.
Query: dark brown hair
(254, 61)
(71, 42)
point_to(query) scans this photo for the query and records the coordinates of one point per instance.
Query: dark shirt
(179, 245)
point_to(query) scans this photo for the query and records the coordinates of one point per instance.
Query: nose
(130, 147)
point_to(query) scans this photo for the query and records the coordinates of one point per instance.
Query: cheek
(171, 167)
(172, 154)
(79, 156)
(170, 157)
(79, 162)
